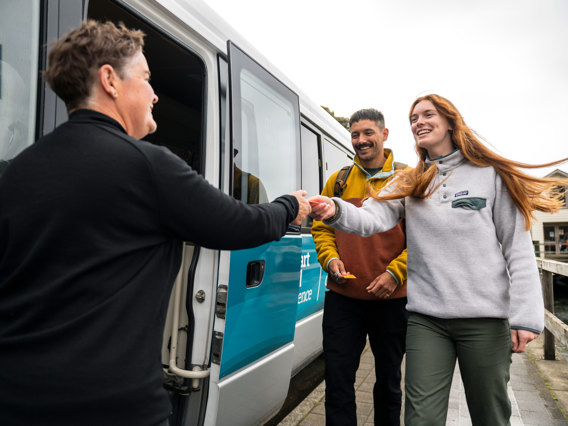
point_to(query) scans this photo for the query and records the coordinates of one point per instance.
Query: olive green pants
(482, 347)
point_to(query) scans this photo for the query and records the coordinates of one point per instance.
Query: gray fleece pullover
(469, 255)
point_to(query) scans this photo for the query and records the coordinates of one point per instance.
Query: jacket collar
(444, 163)
(90, 116)
(386, 171)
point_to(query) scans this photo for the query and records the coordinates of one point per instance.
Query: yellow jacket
(356, 187)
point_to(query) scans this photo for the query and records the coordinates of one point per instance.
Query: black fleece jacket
(91, 229)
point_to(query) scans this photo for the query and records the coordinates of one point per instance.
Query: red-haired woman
(473, 285)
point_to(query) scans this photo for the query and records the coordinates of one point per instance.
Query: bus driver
(91, 230)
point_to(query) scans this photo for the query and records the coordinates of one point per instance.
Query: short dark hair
(368, 114)
(75, 58)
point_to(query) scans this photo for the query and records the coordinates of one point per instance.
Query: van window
(266, 134)
(335, 159)
(310, 162)
(268, 140)
(311, 180)
(19, 52)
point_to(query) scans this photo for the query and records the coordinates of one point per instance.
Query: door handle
(255, 273)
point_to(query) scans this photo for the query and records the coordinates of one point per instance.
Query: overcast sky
(503, 63)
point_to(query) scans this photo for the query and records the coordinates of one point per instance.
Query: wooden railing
(551, 250)
(555, 329)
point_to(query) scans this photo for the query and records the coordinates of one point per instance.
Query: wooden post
(548, 295)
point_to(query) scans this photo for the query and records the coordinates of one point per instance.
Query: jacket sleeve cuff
(394, 276)
(335, 217)
(518, 327)
(328, 262)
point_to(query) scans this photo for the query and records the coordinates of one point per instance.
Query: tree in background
(344, 121)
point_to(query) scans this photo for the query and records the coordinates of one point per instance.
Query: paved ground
(538, 391)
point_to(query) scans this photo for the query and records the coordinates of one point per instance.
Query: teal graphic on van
(311, 293)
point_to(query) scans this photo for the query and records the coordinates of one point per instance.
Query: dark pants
(346, 324)
(482, 347)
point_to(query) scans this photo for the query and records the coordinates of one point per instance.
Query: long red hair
(528, 192)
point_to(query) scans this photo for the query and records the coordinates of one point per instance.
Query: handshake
(318, 207)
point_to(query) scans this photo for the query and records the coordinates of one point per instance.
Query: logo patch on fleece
(459, 194)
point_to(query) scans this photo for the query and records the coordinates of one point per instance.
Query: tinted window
(335, 159)
(310, 162)
(266, 134)
(310, 168)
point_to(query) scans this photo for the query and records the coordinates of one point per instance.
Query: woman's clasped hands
(322, 207)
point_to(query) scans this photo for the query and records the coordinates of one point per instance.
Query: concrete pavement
(538, 391)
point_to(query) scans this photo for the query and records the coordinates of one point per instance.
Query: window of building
(556, 240)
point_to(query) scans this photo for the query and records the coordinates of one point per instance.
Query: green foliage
(344, 121)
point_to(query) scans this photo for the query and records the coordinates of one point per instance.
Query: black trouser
(346, 324)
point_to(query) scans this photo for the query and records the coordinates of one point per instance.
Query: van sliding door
(257, 344)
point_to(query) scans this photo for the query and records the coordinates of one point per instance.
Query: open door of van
(258, 288)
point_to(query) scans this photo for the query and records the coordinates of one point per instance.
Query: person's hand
(322, 207)
(336, 269)
(304, 207)
(383, 286)
(521, 338)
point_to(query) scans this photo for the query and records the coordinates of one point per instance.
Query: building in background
(550, 231)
